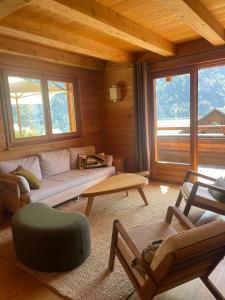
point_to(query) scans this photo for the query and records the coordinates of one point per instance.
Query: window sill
(24, 142)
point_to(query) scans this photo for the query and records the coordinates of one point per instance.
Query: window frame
(44, 77)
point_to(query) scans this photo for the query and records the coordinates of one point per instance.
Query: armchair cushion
(187, 238)
(203, 196)
(217, 195)
(142, 236)
(148, 254)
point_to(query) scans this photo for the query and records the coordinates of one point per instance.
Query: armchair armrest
(196, 174)
(175, 211)
(12, 186)
(190, 200)
(197, 184)
(209, 186)
(121, 230)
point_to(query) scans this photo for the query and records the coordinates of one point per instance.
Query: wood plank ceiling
(114, 30)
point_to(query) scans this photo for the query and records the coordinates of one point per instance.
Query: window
(172, 101)
(41, 108)
(61, 106)
(26, 106)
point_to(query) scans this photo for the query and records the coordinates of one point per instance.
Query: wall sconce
(169, 78)
(115, 93)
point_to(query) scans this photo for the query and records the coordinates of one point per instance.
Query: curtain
(141, 109)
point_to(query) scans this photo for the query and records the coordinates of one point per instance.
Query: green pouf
(50, 240)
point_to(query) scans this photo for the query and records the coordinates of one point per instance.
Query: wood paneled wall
(118, 119)
(90, 83)
(107, 125)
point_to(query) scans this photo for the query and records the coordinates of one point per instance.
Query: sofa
(60, 178)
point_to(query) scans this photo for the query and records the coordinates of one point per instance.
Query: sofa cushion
(54, 162)
(30, 163)
(47, 188)
(76, 177)
(64, 181)
(88, 150)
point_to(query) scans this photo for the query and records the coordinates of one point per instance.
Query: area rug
(92, 280)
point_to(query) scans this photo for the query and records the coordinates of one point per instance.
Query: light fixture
(169, 78)
(115, 93)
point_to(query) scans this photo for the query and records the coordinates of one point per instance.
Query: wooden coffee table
(114, 184)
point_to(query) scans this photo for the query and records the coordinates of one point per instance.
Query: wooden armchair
(197, 194)
(180, 258)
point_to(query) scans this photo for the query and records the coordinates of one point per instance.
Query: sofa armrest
(10, 187)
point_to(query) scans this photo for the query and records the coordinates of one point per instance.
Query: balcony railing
(173, 144)
(204, 129)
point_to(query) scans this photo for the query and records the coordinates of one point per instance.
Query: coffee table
(114, 184)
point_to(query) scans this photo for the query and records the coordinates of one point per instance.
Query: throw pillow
(88, 150)
(218, 195)
(148, 254)
(33, 181)
(20, 180)
(90, 161)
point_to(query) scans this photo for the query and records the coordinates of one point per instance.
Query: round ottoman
(50, 240)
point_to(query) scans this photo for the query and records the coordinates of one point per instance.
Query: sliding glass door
(211, 121)
(172, 107)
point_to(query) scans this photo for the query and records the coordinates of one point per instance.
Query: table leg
(141, 192)
(89, 205)
(127, 193)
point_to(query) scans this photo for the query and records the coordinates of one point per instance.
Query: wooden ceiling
(114, 30)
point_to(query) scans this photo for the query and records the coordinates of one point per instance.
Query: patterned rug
(92, 280)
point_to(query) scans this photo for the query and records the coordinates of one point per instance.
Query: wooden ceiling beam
(44, 34)
(8, 7)
(198, 18)
(95, 15)
(27, 49)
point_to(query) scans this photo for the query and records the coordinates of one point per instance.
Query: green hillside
(173, 96)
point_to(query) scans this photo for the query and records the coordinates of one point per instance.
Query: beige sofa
(60, 178)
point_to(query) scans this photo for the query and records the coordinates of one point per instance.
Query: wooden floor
(18, 284)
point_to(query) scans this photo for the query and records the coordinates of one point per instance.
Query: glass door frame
(170, 171)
